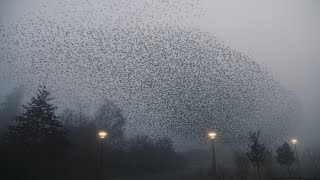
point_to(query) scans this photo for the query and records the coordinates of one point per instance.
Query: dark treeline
(37, 144)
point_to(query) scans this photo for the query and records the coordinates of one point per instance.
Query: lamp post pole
(102, 135)
(101, 154)
(212, 136)
(294, 142)
(214, 168)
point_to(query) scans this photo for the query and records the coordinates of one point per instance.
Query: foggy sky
(281, 35)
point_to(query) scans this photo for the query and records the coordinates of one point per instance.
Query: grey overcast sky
(281, 35)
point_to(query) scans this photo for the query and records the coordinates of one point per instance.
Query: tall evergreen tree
(38, 125)
(36, 141)
(257, 151)
(285, 155)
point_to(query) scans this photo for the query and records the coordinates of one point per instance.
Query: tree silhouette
(37, 139)
(71, 118)
(11, 106)
(313, 156)
(109, 117)
(242, 164)
(38, 125)
(152, 155)
(285, 155)
(257, 151)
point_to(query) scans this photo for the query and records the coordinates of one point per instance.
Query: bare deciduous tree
(257, 152)
(313, 155)
(11, 106)
(285, 156)
(242, 164)
(75, 118)
(110, 118)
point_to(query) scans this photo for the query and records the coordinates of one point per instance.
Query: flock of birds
(169, 78)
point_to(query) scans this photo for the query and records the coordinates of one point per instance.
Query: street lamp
(294, 141)
(212, 136)
(102, 135)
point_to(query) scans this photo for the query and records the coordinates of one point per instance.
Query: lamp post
(212, 136)
(102, 135)
(294, 142)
